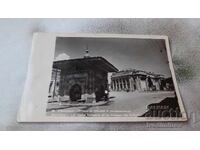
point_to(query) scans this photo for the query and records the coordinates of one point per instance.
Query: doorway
(75, 92)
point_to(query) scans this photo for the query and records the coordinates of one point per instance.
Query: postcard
(101, 78)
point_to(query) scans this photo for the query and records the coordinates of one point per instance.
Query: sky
(142, 54)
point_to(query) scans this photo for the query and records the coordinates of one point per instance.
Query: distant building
(54, 83)
(137, 80)
(81, 79)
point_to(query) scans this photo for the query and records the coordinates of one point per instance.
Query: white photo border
(31, 109)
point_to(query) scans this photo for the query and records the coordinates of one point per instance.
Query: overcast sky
(143, 54)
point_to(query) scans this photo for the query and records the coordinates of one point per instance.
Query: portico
(135, 80)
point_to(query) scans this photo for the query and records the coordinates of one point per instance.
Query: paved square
(121, 102)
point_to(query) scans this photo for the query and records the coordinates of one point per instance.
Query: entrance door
(75, 92)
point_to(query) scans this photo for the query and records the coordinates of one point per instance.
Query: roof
(123, 73)
(135, 72)
(85, 63)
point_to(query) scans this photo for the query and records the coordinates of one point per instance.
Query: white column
(147, 83)
(119, 84)
(131, 83)
(138, 83)
(122, 81)
(117, 87)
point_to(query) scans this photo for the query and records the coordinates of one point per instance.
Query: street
(121, 103)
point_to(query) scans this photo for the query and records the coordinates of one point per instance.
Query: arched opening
(75, 92)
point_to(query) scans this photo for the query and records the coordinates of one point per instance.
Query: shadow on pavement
(168, 107)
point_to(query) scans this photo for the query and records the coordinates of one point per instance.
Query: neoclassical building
(137, 80)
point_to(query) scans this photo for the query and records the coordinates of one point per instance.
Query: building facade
(81, 79)
(137, 80)
(54, 83)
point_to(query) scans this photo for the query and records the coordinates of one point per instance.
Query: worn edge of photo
(101, 119)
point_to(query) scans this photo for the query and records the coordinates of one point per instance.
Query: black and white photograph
(111, 77)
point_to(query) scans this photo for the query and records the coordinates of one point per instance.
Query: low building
(136, 80)
(81, 79)
(54, 83)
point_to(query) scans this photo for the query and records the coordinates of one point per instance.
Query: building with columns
(136, 80)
